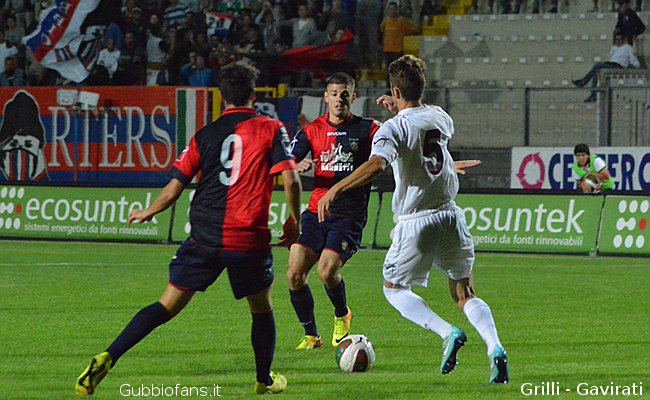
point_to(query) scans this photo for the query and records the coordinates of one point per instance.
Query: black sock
(263, 339)
(337, 297)
(145, 321)
(303, 303)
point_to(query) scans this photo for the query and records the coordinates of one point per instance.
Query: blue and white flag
(68, 36)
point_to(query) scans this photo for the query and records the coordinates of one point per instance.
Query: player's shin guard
(303, 303)
(480, 316)
(415, 309)
(263, 339)
(145, 321)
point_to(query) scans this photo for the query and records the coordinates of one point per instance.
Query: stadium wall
(498, 222)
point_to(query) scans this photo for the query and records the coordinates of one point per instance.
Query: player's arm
(363, 175)
(163, 201)
(292, 191)
(462, 164)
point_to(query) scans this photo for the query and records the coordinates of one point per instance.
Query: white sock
(415, 309)
(479, 315)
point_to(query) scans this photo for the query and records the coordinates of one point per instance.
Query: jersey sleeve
(374, 127)
(281, 157)
(300, 145)
(384, 143)
(599, 164)
(186, 165)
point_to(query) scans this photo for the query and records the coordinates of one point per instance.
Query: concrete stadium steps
(536, 24)
(491, 118)
(531, 71)
(567, 46)
(558, 116)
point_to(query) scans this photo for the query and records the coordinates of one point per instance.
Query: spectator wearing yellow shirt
(394, 27)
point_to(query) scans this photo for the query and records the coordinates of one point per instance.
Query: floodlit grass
(562, 319)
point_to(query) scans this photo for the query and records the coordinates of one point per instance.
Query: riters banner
(550, 167)
(132, 137)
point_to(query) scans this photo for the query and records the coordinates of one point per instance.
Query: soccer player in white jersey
(431, 230)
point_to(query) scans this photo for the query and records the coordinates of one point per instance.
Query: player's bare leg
(172, 301)
(329, 272)
(480, 316)
(301, 261)
(263, 339)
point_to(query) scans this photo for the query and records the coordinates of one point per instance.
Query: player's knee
(296, 278)
(328, 273)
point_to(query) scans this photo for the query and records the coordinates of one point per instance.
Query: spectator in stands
(270, 29)
(6, 50)
(394, 28)
(13, 32)
(621, 55)
(131, 49)
(551, 10)
(333, 13)
(303, 28)
(368, 16)
(628, 23)
(12, 75)
(108, 57)
(157, 50)
(197, 73)
(174, 14)
(251, 45)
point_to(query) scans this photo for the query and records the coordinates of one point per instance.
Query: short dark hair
(581, 148)
(237, 83)
(407, 74)
(340, 78)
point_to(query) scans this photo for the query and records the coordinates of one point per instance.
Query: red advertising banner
(131, 137)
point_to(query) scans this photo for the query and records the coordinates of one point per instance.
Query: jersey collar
(247, 110)
(332, 124)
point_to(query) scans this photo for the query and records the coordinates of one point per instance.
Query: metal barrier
(507, 117)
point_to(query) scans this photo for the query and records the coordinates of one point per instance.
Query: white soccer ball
(355, 354)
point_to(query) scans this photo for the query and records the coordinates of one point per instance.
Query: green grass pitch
(566, 319)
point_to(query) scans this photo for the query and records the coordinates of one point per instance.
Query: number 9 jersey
(414, 142)
(236, 157)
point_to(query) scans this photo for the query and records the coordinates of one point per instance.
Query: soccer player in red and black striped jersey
(236, 157)
(339, 142)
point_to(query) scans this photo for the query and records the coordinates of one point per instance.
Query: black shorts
(196, 266)
(340, 234)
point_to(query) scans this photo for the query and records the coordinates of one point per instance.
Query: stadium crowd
(172, 42)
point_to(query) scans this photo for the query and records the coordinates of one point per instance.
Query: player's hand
(139, 216)
(305, 165)
(324, 204)
(387, 102)
(462, 164)
(291, 231)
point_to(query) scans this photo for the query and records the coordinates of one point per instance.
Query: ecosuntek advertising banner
(624, 229)
(78, 213)
(550, 167)
(563, 224)
(132, 137)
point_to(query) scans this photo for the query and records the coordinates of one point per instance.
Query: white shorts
(429, 239)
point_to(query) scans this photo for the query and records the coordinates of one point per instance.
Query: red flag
(312, 57)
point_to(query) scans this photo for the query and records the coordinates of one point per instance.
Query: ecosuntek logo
(17, 208)
(631, 224)
(540, 219)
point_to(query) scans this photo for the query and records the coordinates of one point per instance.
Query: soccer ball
(355, 354)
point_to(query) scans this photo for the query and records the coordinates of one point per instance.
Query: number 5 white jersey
(414, 142)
